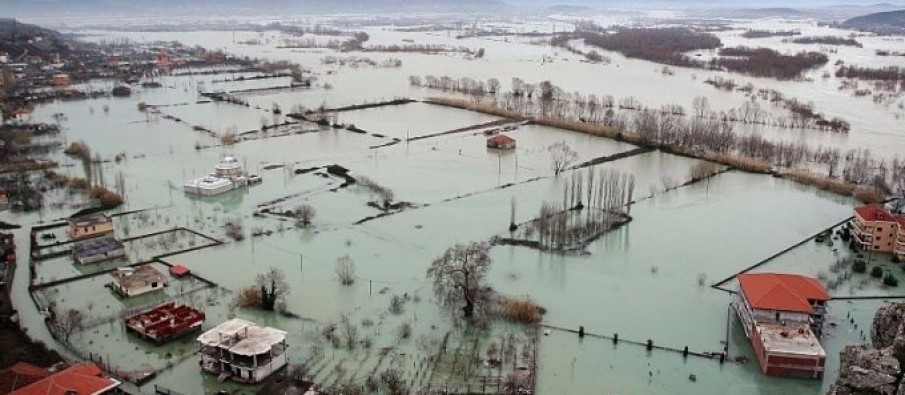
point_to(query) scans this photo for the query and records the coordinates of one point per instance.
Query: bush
(876, 272)
(890, 281)
(521, 310)
(859, 267)
(248, 297)
(108, 198)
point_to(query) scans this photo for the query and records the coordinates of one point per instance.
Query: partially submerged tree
(459, 277)
(68, 322)
(345, 270)
(305, 214)
(561, 156)
(274, 288)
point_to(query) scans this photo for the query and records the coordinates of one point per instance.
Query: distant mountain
(231, 7)
(17, 39)
(881, 22)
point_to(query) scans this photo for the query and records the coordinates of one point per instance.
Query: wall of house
(140, 290)
(77, 232)
(787, 316)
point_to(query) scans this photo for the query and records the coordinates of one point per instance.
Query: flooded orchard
(425, 181)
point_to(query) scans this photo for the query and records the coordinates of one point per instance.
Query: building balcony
(862, 239)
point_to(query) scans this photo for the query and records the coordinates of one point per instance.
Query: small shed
(501, 141)
(179, 271)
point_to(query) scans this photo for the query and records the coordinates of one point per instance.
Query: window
(879, 229)
(154, 284)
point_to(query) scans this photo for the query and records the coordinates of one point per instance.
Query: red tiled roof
(179, 270)
(501, 139)
(876, 212)
(20, 375)
(81, 379)
(785, 292)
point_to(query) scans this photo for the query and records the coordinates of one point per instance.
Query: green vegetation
(876, 272)
(859, 267)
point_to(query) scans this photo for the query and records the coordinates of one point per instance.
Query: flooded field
(649, 279)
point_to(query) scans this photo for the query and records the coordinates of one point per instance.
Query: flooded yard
(649, 279)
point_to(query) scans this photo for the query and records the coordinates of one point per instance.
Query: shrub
(80, 150)
(521, 310)
(876, 272)
(248, 297)
(859, 267)
(890, 281)
(108, 198)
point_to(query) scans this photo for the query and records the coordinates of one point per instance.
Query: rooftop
(878, 212)
(797, 340)
(96, 246)
(91, 219)
(165, 319)
(209, 182)
(81, 379)
(228, 162)
(242, 337)
(179, 270)
(501, 139)
(20, 375)
(784, 292)
(141, 276)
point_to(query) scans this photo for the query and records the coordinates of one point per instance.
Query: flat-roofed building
(242, 351)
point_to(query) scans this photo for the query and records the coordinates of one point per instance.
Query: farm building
(165, 322)
(781, 314)
(128, 281)
(93, 225)
(242, 351)
(98, 250)
(501, 141)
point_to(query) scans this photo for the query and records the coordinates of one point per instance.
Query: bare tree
(68, 322)
(345, 270)
(561, 156)
(459, 277)
(274, 288)
(305, 214)
(348, 331)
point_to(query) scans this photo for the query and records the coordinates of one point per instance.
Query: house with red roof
(20, 375)
(783, 315)
(80, 379)
(501, 141)
(875, 228)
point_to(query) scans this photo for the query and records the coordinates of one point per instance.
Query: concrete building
(783, 315)
(242, 351)
(875, 228)
(165, 322)
(98, 250)
(92, 225)
(128, 281)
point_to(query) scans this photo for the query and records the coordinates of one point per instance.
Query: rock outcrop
(875, 370)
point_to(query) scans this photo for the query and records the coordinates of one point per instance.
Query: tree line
(698, 134)
(670, 45)
(592, 108)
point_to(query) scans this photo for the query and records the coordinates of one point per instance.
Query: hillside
(232, 7)
(18, 38)
(892, 22)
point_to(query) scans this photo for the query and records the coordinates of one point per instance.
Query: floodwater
(640, 281)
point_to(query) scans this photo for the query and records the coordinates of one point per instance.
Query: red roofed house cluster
(875, 228)
(783, 315)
